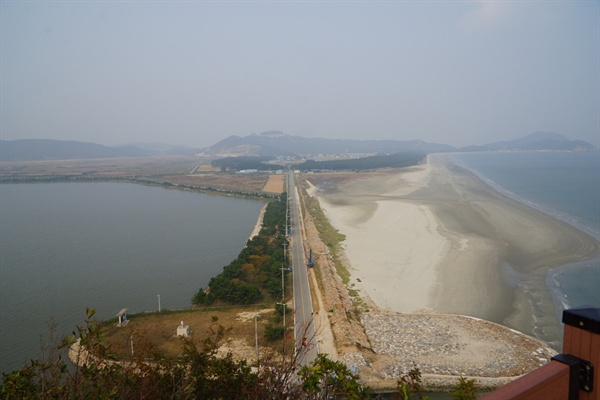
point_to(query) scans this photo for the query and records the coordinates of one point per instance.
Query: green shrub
(465, 389)
(273, 333)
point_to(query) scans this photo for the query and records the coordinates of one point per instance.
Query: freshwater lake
(68, 246)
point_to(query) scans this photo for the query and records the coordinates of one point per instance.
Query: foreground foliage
(465, 389)
(409, 385)
(198, 373)
(327, 379)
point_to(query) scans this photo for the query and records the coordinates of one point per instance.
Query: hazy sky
(196, 72)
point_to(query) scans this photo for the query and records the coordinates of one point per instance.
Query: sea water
(68, 246)
(565, 185)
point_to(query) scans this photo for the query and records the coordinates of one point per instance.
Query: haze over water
(68, 246)
(564, 185)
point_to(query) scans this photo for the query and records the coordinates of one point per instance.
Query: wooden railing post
(582, 340)
(572, 375)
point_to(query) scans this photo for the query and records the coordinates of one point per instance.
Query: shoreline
(559, 215)
(258, 225)
(438, 237)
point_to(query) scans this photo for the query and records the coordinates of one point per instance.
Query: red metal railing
(569, 376)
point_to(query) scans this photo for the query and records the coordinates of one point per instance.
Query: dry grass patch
(232, 182)
(274, 184)
(207, 168)
(109, 167)
(159, 331)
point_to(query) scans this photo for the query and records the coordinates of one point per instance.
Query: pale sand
(437, 237)
(258, 225)
(394, 247)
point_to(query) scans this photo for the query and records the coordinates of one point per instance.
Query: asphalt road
(304, 327)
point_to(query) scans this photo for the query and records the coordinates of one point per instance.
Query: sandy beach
(436, 237)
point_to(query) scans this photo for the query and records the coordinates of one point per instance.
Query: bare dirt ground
(274, 184)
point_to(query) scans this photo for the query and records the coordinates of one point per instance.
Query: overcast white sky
(196, 72)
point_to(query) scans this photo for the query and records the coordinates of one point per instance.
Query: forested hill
(397, 160)
(278, 144)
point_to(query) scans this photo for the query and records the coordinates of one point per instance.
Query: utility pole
(284, 307)
(256, 336)
(159, 303)
(283, 342)
(283, 295)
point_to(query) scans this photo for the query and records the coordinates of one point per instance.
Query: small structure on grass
(122, 318)
(183, 330)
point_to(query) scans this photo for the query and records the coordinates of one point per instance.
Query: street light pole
(282, 284)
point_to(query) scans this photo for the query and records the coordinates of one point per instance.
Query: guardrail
(571, 375)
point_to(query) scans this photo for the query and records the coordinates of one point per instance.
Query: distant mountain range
(538, 141)
(270, 144)
(47, 149)
(275, 144)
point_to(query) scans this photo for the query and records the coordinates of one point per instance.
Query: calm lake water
(68, 246)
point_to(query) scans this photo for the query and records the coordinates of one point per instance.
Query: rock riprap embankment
(452, 345)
